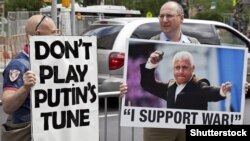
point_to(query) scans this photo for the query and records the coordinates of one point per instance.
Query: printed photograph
(184, 76)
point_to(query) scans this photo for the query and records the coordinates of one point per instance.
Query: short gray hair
(183, 54)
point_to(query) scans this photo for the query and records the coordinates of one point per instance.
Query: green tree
(209, 15)
(87, 2)
(204, 6)
(20, 5)
(143, 5)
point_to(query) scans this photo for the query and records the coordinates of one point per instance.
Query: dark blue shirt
(12, 79)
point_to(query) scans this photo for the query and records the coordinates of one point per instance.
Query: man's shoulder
(171, 82)
(156, 37)
(19, 61)
(200, 81)
(193, 40)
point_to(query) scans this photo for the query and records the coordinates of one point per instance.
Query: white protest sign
(64, 101)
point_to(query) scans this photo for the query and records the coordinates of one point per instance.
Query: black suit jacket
(195, 95)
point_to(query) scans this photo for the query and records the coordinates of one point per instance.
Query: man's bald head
(40, 25)
(174, 6)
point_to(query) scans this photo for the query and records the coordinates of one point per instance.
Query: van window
(204, 33)
(106, 34)
(146, 31)
(228, 37)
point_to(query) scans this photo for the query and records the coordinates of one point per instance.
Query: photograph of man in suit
(186, 90)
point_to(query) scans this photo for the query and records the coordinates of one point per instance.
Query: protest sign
(64, 100)
(152, 106)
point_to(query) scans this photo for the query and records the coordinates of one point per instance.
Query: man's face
(183, 70)
(169, 19)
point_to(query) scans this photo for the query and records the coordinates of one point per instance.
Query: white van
(111, 43)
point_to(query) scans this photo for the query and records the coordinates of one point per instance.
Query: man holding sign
(18, 79)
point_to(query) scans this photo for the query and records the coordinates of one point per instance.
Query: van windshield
(106, 34)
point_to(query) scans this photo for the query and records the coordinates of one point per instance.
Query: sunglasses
(40, 22)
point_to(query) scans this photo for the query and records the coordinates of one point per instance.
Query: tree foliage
(21, 5)
(209, 15)
(143, 5)
(87, 2)
(203, 6)
(222, 6)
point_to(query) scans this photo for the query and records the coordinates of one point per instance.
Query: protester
(17, 77)
(170, 18)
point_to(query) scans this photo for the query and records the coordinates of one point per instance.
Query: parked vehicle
(112, 34)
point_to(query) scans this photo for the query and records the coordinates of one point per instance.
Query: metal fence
(106, 96)
(122, 133)
(9, 47)
(15, 22)
(107, 118)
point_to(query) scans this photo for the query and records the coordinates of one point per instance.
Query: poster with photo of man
(173, 85)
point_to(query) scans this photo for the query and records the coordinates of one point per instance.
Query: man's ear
(193, 67)
(182, 18)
